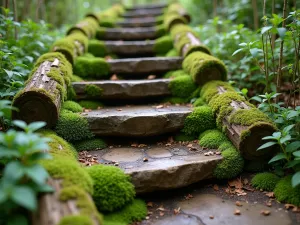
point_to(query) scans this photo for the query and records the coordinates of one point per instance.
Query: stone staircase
(157, 165)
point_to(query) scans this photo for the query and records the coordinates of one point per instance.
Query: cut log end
(35, 106)
(252, 140)
(66, 53)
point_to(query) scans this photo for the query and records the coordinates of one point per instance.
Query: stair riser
(138, 23)
(130, 49)
(147, 7)
(143, 14)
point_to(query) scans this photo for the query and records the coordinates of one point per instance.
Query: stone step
(139, 22)
(137, 121)
(130, 48)
(148, 13)
(129, 34)
(125, 89)
(160, 167)
(146, 65)
(144, 7)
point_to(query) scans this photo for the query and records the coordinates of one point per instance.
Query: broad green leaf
(20, 124)
(292, 114)
(277, 135)
(293, 146)
(266, 145)
(285, 139)
(37, 173)
(281, 32)
(265, 29)
(256, 98)
(296, 179)
(24, 196)
(288, 128)
(277, 157)
(293, 163)
(297, 153)
(254, 51)
(35, 126)
(237, 51)
(13, 171)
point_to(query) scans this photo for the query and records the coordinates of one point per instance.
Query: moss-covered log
(242, 122)
(203, 67)
(173, 19)
(56, 208)
(189, 43)
(87, 26)
(176, 8)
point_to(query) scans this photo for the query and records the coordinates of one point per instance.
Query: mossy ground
(91, 144)
(212, 138)
(284, 192)
(88, 104)
(97, 48)
(91, 67)
(182, 86)
(72, 106)
(163, 45)
(265, 181)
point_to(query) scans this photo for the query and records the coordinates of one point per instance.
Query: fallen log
(45, 89)
(190, 43)
(88, 26)
(242, 122)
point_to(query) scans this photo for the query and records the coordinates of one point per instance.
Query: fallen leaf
(289, 206)
(161, 213)
(168, 144)
(270, 194)
(189, 196)
(240, 192)
(145, 159)
(218, 153)
(211, 217)
(177, 211)
(151, 77)
(150, 204)
(142, 145)
(269, 204)
(161, 208)
(246, 181)
(147, 217)
(216, 187)
(134, 145)
(119, 109)
(265, 212)
(237, 212)
(190, 145)
(238, 203)
(114, 77)
(159, 106)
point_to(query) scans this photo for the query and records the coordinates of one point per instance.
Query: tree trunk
(52, 209)
(40, 100)
(255, 14)
(15, 18)
(26, 10)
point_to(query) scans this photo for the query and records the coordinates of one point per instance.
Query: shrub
(112, 188)
(284, 192)
(199, 120)
(182, 86)
(212, 139)
(88, 145)
(72, 106)
(265, 181)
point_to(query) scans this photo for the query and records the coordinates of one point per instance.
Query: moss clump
(83, 202)
(175, 73)
(76, 220)
(203, 67)
(212, 138)
(265, 181)
(88, 26)
(71, 93)
(160, 30)
(91, 67)
(210, 89)
(248, 117)
(163, 45)
(201, 119)
(72, 106)
(183, 137)
(88, 145)
(179, 29)
(284, 191)
(199, 102)
(70, 172)
(112, 188)
(90, 104)
(92, 90)
(97, 48)
(173, 19)
(225, 145)
(100, 33)
(231, 165)
(182, 86)
(133, 212)
(107, 22)
(76, 78)
(72, 126)
(175, 100)
(172, 53)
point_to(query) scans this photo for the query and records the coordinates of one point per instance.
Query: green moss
(97, 48)
(265, 181)
(199, 120)
(91, 67)
(70, 172)
(225, 145)
(100, 33)
(112, 188)
(172, 53)
(182, 86)
(212, 138)
(108, 22)
(199, 102)
(163, 45)
(255, 166)
(159, 19)
(203, 67)
(133, 212)
(172, 19)
(175, 73)
(248, 117)
(71, 93)
(88, 26)
(72, 126)
(160, 30)
(184, 137)
(231, 165)
(76, 78)
(72, 106)
(210, 89)
(284, 192)
(92, 90)
(175, 100)
(90, 104)
(83, 202)
(179, 29)
(76, 220)
(89, 145)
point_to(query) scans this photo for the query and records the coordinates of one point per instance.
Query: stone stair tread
(137, 22)
(143, 13)
(145, 65)
(147, 6)
(130, 48)
(125, 89)
(165, 167)
(130, 33)
(137, 121)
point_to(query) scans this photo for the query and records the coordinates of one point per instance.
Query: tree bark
(40, 100)
(52, 209)
(255, 14)
(194, 43)
(249, 144)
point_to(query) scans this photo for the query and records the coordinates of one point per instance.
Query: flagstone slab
(139, 22)
(129, 34)
(130, 48)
